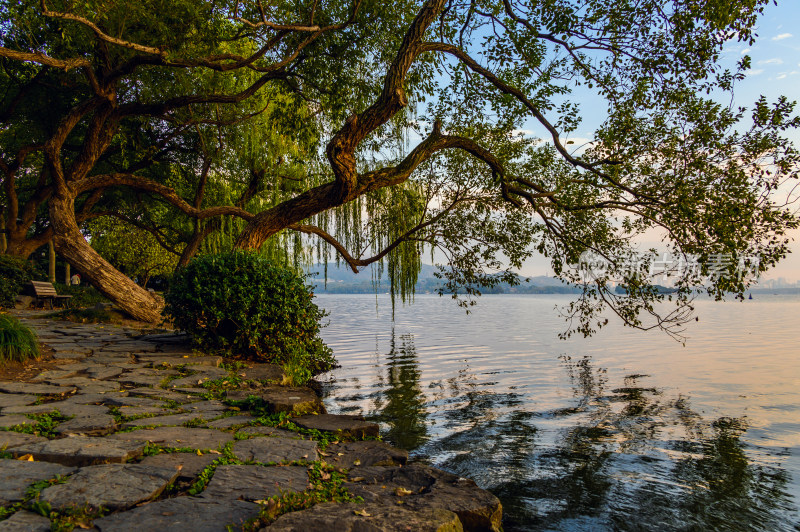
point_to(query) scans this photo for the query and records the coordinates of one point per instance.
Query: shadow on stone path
(138, 432)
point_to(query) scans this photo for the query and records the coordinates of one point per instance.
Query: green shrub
(17, 341)
(242, 303)
(15, 272)
(84, 295)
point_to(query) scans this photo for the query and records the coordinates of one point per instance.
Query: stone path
(137, 432)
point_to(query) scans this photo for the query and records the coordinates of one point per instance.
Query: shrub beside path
(136, 432)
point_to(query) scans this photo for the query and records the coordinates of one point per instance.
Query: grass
(45, 424)
(326, 484)
(17, 341)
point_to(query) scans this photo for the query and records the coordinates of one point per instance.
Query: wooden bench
(46, 293)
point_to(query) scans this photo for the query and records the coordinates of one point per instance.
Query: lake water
(623, 431)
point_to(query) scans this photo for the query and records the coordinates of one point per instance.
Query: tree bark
(113, 284)
(3, 241)
(23, 247)
(67, 273)
(51, 262)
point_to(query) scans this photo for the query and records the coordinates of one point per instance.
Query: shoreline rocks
(140, 434)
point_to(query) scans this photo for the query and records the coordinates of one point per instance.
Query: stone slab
(477, 509)
(102, 372)
(82, 450)
(177, 437)
(10, 440)
(13, 420)
(16, 399)
(158, 393)
(99, 387)
(364, 453)
(355, 517)
(253, 483)
(231, 421)
(131, 401)
(36, 389)
(144, 377)
(188, 465)
(283, 399)
(179, 514)
(269, 431)
(209, 409)
(113, 486)
(25, 521)
(353, 426)
(52, 374)
(17, 475)
(190, 391)
(172, 420)
(160, 359)
(131, 411)
(276, 449)
(64, 407)
(95, 425)
(262, 372)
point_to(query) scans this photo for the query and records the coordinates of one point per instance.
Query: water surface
(626, 430)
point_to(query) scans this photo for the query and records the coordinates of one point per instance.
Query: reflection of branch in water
(633, 462)
(404, 408)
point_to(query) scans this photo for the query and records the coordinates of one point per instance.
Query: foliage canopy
(383, 130)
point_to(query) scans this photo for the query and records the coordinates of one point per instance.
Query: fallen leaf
(356, 462)
(357, 479)
(322, 453)
(362, 513)
(326, 476)
(401, 492)
(214, 452)
(26, 458)
(199, 453)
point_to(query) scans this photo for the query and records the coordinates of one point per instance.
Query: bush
(242, 303)
(17, 341)
(15, 272)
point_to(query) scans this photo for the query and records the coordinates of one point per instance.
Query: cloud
(754, 72)
(782, 36)
(782, 76)
(745, 51)
(773, 61)
(523, 133)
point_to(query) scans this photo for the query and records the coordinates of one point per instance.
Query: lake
(627, 430)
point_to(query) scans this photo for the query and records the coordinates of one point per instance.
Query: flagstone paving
(134, 432)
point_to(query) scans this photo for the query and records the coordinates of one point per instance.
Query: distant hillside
(342, 280)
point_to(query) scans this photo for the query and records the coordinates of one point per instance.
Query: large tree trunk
(20, 246)
(113, 284)
(194, 243)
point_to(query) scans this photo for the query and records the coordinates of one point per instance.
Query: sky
(775, 71)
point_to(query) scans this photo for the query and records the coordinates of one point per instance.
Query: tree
(369, 77)
(135, 252)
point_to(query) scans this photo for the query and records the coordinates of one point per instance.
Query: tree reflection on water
(401, 405)
(622, 458)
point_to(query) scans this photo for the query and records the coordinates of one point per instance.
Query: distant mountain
(342, 280)
(343, 273)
